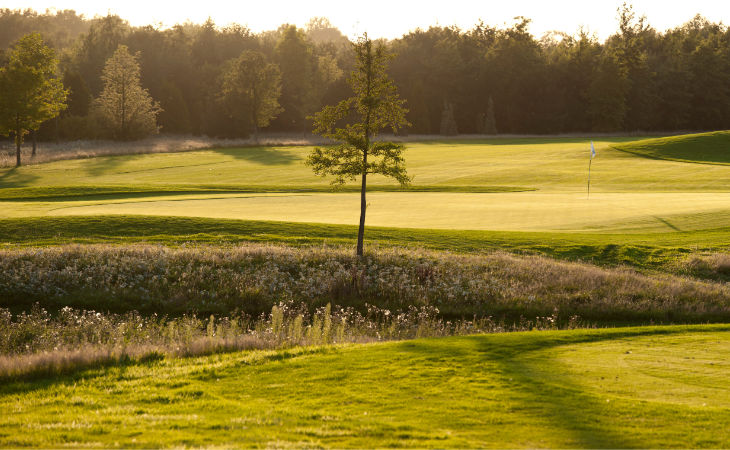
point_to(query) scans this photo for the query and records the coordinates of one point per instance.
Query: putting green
(522, 211)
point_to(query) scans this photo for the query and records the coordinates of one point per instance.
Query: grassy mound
(706, 148)
(254, 278)
(616, 388)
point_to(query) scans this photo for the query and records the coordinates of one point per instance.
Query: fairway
(456, 185)
(631, 387)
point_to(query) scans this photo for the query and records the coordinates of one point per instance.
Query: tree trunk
(33, 136)
(18, 138)
(363, 208)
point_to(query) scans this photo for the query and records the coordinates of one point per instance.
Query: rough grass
(653, 387)
(706, 148)
(253, 278)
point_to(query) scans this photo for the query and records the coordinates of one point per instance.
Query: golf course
(497, 234)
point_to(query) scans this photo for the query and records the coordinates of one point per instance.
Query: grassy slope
(637, 387)
(656, 251)
(706, 148)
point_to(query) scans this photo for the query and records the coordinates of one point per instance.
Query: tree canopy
(639, 78)
(126, 109)
(251, 90)
(30, 92)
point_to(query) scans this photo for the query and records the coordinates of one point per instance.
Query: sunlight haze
(390, 19)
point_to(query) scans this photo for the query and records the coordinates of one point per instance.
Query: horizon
(596, 19)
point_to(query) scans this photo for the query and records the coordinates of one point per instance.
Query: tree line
(231, 82)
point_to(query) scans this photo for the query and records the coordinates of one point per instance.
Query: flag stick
(589, 178)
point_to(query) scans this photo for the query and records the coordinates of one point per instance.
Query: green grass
(507, 185)
(638, 387)
(556, 165)
(705, 148)
(651, 251)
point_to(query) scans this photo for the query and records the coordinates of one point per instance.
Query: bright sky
(393, 18)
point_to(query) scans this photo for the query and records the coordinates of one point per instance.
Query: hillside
(706, 148)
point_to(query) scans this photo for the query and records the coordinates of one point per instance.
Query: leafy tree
(124, 106)
(105, 35)
(251, 90)
(30, 92)
(374, 107)
(296, 61)
(79, 96)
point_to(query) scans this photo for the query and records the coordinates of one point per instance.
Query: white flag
(593, 151)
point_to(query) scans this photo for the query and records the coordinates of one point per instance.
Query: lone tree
(30, 92)
(124, 106)
(251, 90)
(374, 106)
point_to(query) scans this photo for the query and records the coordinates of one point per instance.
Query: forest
(484, 80)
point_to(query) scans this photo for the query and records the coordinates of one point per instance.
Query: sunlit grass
(638, 387)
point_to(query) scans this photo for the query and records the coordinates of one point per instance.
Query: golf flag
(590, 160)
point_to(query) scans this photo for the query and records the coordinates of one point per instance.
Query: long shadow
(582, 419)
(268, 156)
(530, 140)
(11, 178)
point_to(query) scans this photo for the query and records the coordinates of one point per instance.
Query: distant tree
(296, 61)
(79, 96)
(174, 117)
(30, 92)
(374, 106)
(124, 106)
(97, 46)
(448, 123)
(251, 90)
(490, 123)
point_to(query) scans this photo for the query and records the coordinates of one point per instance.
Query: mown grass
(705, 148)
(668, 252)
(550, 165)
(649, 387)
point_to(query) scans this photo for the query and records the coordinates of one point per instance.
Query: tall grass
(254, 278)
(39, 343)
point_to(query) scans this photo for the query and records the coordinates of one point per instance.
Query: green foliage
(251, 90)
(637, 79)
(30, 92)
(375, 106)
(126, 109)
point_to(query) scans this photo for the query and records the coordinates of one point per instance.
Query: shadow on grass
(587, 420)
(268, 156)
(12, 178)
